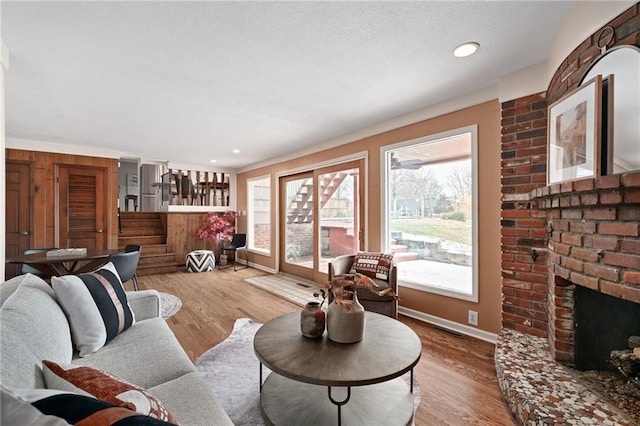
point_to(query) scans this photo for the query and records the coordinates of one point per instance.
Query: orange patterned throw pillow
(373, 265)
(106, 387)
(58, 408)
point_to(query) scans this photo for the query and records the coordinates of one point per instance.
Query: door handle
(99, 231)
(24, 233)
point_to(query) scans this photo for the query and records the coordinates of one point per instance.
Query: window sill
(442, 291)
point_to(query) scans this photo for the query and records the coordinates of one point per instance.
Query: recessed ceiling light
(213, 161)
(466, 49)
(236, 151)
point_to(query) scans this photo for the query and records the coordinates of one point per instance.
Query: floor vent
(451, 332)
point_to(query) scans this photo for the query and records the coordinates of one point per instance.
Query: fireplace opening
(603, 324)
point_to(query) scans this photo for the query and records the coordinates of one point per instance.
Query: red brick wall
(627, 31)
(524, 157)
(535, 298)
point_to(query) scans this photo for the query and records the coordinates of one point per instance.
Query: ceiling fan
(406, 164)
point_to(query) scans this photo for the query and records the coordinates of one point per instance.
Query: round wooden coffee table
(318, 381)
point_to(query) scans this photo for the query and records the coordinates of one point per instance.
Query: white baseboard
(257, 266)
(450, 325)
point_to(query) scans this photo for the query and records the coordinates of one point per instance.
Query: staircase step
(139, 215)
(154, 249)
(147, 230)
(142, 240)
(396, 248)
(130, 232)
(150, 249)
(156, 259)
(141, 223)
(165, 268)
(405, 257)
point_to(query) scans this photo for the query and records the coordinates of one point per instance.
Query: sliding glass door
(297, 230)
(321, 218)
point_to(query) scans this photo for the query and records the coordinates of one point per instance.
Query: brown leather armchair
(385, 305)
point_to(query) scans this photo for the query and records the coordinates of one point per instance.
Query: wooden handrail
(198, 188)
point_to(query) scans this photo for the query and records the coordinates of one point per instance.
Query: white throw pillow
(96, 306)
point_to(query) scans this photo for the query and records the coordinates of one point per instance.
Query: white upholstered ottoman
(201, 261)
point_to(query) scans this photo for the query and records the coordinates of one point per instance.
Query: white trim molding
(385, 221)
(456, 104)
(450, 325)
(61, 148)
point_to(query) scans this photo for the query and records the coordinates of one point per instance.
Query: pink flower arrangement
(217, 227)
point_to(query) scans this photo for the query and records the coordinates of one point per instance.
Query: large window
(259, 214)
(431, 215)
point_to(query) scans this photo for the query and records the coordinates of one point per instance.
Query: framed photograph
(606, 159)
(575, 133)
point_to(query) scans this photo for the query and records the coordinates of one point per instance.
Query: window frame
(385, 236)
(251, 213)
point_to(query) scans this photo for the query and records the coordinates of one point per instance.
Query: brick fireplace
(566, 248)
(593, 241)
(578, 233)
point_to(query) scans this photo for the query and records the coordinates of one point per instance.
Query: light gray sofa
(33, 327)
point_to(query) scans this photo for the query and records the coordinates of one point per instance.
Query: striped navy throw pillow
(96, 306)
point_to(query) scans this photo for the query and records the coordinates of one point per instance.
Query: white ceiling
(189, 81)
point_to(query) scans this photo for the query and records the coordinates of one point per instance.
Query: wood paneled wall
(182, 229)
(43, 192)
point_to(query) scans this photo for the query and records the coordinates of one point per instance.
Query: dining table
(55, 266)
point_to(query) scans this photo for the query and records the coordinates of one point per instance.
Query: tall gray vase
(346, 325)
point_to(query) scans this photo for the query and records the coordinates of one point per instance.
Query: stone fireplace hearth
(540, 391)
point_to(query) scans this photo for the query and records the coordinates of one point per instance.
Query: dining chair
(131, 248)
(238, 242)
(126, 264)
(26, 269)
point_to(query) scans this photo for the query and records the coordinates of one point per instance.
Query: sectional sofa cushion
(96, 305)
(29, 308)
(147, 354)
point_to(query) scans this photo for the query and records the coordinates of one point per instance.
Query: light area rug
(232, 371)
(169, 305)
(289, 287)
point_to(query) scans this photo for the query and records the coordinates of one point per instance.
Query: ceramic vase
(345, 322)
(312, 320)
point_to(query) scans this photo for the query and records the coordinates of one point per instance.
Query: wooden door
(18, 213)
(80, 211)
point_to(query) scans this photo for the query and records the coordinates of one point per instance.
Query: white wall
(4, 64)
(583, 21)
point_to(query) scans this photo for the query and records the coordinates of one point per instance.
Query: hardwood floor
(456, 375)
